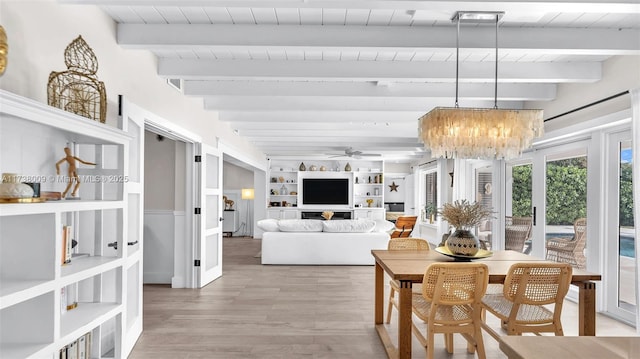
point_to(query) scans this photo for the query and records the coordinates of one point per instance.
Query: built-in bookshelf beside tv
(324, 185)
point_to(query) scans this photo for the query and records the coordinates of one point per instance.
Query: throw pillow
(300, 225)
(384, 226)
(349, 226)
(268, 225)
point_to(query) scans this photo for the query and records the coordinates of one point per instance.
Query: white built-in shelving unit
(106, 222)
(284, 191)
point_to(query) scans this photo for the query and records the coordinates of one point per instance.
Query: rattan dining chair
(450, 302)
(402, 244)
(570, 250)
(523, 305)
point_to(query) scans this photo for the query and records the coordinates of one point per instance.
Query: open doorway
(164, 205)
(243, 175)
(165, 197)
(239, 190)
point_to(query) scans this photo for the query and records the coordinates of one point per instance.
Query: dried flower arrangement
(327, 215)
(463, 214)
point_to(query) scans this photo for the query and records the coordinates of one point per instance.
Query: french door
(583, 179)
(518, 193)
(550, 185)
(208, 246)
(620, 283)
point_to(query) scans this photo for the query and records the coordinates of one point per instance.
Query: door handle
(534, 216)
(221, 219)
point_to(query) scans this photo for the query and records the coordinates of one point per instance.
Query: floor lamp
(248, 194)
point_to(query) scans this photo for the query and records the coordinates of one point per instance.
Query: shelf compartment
(16, 291)
(98, 231)
(28, 250)
(85, 267)
(98, 297)
(85, 317)
(27, 327)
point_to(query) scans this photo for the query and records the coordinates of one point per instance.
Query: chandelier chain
(495, 90)
(457, 58)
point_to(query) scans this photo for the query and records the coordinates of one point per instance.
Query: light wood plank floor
(256, 311)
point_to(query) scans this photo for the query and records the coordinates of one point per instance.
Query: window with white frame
(431, 193)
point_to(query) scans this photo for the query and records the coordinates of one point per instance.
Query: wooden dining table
(408, 267)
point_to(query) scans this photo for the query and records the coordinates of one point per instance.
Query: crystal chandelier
(482, 133)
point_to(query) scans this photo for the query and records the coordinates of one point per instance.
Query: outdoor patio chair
(570, 250)
(450, 302)
(517, 231)
(523, 305)
(404, 226)
(402, 244)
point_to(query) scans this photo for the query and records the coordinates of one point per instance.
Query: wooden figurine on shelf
(71, 170)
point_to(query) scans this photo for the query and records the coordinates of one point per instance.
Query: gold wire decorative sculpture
(78, 90)
(4, 50)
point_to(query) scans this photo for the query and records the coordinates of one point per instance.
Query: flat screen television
(325, 191)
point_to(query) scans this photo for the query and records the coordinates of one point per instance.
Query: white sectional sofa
(316, 242)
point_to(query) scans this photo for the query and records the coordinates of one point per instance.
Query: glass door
(518, 205)
(620, 236)
(551, 187)
(566, 207)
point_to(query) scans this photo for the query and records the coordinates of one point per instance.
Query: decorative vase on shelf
(283, 190)
(347, 168)
(313, 168)
(302, 167)
(463, 242)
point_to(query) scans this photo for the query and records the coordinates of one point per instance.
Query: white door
(132, 121)
(619, 280)
(208, 246)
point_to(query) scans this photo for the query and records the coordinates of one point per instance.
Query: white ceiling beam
(315, 119)
(339, 147)
(585, 6)
(407, 131)
(480, 91)
(400, 142)
(393, 71)
(570, 41)
(323, 103)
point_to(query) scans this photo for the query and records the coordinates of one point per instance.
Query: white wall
(38, 33)
(159, 169)
(399, 194)
(235, 177)
(619, 73)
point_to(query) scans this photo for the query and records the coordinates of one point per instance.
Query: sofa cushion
(384, 226)
(349, 226)
(300, 225)
(268, 225)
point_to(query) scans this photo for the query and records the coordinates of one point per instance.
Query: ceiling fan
(350, 152)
